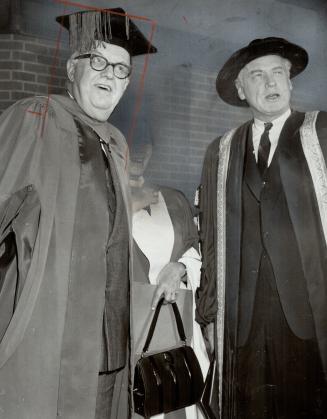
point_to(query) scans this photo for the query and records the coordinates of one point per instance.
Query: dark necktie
(264, 149)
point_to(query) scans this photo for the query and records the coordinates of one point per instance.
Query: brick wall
(180, 112)
(189, 116)
(29, 66)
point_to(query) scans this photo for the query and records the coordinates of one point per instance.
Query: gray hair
(239, 79)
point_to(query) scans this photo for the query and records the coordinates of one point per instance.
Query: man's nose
(109, 71)
(270, 80)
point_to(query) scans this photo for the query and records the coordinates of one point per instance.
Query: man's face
(98, 92)
(265, 84)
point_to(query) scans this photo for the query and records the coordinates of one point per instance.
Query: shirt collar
(278, 122)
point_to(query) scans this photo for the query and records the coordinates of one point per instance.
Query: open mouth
(104, 87)
(273, 96)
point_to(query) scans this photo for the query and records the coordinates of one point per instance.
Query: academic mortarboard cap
(225, 83)
(107, 25)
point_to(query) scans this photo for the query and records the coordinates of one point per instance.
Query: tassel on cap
(86, 28)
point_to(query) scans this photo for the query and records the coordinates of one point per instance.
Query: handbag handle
(153, 324)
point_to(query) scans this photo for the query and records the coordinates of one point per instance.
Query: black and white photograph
(163, 209)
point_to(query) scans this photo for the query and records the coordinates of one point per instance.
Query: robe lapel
(303, 210)
(296, 181)
(234, 227)
(87, 281)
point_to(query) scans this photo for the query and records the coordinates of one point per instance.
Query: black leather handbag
(168, 380)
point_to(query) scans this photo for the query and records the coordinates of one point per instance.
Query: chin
(98, 114)
(102, 113)
(102, 105)
(276, 108)
(102, 116)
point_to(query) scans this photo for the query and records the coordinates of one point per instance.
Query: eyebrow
(255, 71)
(258, 70)
(95, 52)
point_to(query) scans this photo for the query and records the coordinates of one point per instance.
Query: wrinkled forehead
(112, 52)
(266, 62)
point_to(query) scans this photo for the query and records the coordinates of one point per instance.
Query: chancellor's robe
(221, 221)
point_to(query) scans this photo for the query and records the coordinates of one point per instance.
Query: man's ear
(127, 81)
(290, 84)
(239, 89)
(71, 65)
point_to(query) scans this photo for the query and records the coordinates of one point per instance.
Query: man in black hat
(263, 290)
(64, 232)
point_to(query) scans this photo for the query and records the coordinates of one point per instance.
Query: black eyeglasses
(99, 63)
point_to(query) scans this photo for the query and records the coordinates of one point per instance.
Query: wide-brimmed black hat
(108, 25)
(225, 83)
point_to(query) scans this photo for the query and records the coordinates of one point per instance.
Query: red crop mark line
(185, 20)
(54, 64)
(34, 113)
(101, 9)
(140, 90)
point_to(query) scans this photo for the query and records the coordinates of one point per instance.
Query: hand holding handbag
(168, 380)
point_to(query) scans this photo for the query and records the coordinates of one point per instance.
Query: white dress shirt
(274, 133)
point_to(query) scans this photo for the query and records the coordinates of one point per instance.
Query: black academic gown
(302, 207)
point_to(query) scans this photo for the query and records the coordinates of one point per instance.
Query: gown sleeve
(20, 138)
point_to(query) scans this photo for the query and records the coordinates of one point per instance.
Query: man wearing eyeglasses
(99, 79)
(64, 232)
